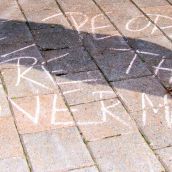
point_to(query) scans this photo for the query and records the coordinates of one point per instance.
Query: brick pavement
(85, 86)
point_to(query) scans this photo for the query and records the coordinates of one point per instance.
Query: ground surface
(85, 85)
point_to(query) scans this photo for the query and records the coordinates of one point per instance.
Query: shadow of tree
(66, 52)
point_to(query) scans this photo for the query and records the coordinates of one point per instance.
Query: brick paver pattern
(86, 86)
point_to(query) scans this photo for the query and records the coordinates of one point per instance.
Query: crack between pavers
(106, 137)
(169, 2)
(52, 49)
(47, 130)
(169, 146)
(74, 72)
(94, 101)
(80, 168)
(58, 49)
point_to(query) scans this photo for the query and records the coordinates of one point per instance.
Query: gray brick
(153, 3)
(25, 54)
(9, 10)
(8, 165)
(62, 38)
(32, 82)
(39, 14)
(121, 65)
(152, 47)
(110, 42)
(77, 6)
(125, 153)
(165, 156)
(133, 92)
(12, 24)
(123, 13)
(88, 18)
(98, 32)
(14, 32)
(68, 61)
(109, 2)
(28, 121)
(164, 14)
(57, 150)
(56, 29)
(156, 126)
(162, 68)
(103, 119)
(82, 86)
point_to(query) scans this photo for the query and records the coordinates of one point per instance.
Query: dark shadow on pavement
(65, 53)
